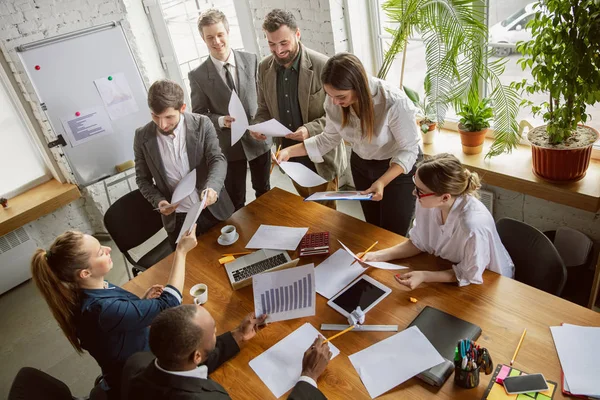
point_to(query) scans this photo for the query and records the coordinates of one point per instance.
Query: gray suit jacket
(210, 96)
(204, 154)
(311, 96)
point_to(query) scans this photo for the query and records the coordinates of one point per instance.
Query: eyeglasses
(419, 192)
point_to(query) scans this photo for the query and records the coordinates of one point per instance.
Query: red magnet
(37, 67)
(77, 114)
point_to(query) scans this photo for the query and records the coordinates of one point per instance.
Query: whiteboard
(67, 66)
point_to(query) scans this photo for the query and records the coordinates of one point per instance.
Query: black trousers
(395, 211)
(205, 221)
(235, 181)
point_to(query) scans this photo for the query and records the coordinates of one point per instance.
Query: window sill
(36, 203)
(514, 172)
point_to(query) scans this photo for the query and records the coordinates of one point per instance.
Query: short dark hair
(163, 94)
(278, 17)
(210, 17)
(174, 335)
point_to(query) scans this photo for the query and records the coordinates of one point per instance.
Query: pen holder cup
(466, 379)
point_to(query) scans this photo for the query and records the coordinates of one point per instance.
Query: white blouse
(468, 239)
(395, 135)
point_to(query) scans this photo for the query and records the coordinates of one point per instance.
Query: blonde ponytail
(54, 273)
(473, 183)
(443, 173)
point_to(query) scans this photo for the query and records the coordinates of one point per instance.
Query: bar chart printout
(285, 294)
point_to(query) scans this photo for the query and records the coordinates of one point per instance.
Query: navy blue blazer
(114, 324)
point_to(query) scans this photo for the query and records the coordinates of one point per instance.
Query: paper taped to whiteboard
(90, 124)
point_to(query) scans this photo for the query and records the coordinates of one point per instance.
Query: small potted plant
(565, 66)
(476, 115)
(425, 115)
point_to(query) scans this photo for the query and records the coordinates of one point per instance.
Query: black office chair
(537, 262)
(33, 384)
(130, 221)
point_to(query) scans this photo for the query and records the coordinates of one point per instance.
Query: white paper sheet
(335, 273)
(185, 187)
(578, 349)
(191, 217)
(374, 264)
(285, 294)
(116, 95)
(271, 127)
(276, 237)
(236, 110)
(281, 365)
(91, 124)
(392, 361)
(302, 175)
(339, 195)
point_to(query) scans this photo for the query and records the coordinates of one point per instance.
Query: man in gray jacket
(290, 90)
(170, 147)
(212, 83)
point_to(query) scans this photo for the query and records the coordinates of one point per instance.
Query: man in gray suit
(212, 82)
(186, 350)
(290, 90)
(171, 146)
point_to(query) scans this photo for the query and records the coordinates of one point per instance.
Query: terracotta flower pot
(561, 165)
(472, 142)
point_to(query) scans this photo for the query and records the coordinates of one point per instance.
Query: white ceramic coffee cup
(228, 233)
(200, 293)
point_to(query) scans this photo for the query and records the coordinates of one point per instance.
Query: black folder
(443, 331)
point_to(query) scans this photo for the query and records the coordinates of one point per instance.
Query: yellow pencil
(339, 334)
(236, 254)
(276, 155)
(365, 252)
(518, 347)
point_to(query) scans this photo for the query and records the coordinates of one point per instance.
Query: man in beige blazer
(290, 90)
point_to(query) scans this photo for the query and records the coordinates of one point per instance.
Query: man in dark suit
(170, 147)
(187, 350)
(290, 90)
(224, 71)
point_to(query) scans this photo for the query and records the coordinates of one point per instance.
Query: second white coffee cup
(200, 293)
(228, 233)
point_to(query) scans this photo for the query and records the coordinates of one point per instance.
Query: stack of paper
(392, 361)
(578, 349)
(280, 366)
(276, 237)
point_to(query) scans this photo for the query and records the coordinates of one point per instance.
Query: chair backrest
(33, 384)
(537, 262)
(131, 220)
(573, 246)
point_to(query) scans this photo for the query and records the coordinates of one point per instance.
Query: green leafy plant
(425, 113)
(564, 57)
(475, 114)
(455, 37)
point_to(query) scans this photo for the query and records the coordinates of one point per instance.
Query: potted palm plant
(565, 65)
(476, 115)
(455, 38)
(425, 115)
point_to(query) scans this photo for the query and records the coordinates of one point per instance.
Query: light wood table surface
(502, 307)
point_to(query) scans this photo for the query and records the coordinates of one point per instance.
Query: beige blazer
(311, 96)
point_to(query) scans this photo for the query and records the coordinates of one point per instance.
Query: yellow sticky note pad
(227, 259)
(498, 393)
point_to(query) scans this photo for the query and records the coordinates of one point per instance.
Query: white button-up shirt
(201, 372)
(395, 135)
(468, 239)
(220, 66)
(173, 151)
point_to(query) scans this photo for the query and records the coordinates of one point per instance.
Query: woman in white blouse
(451, 223)
(379, 121)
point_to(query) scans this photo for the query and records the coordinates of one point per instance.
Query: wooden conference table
(502, 307)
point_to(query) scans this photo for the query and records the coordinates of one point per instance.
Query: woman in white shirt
(379, 121)
(451, 223)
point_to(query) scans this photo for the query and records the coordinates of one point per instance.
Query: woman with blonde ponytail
(451, 223)
(105, 320)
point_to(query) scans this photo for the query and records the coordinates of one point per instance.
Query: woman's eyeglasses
(419, 192)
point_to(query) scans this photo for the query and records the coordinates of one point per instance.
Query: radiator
(487, 198)
(16, 250)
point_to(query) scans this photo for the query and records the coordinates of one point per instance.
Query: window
(22, 164)
(507, 25)
(176, 29)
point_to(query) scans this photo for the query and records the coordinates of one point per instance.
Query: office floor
(30, 336)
